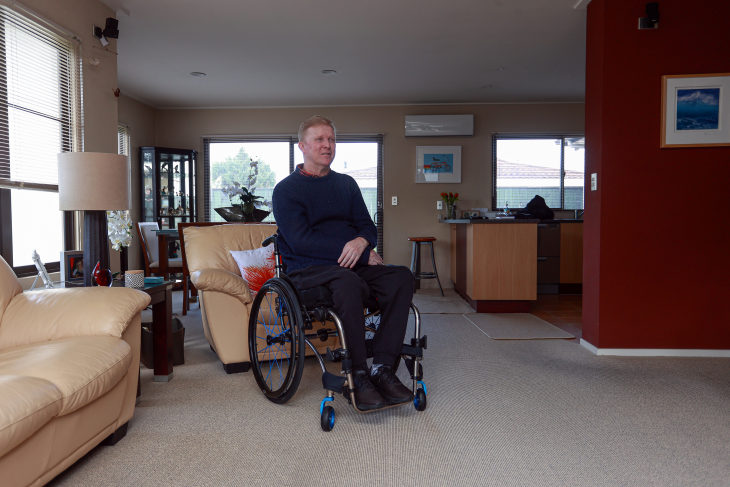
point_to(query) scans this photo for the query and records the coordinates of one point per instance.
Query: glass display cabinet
(168, 185)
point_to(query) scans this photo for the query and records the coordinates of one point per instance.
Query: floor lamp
(93, 182)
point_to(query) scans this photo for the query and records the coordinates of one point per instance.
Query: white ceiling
(270, 53)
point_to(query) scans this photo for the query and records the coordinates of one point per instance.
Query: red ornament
(103, 277)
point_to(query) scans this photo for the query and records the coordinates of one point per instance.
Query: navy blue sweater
(317, 217)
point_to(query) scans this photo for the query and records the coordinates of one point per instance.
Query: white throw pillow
(257, 266)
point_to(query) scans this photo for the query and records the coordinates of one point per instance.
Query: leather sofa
(225, 298)
(69, 367)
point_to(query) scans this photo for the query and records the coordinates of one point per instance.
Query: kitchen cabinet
(494, 264)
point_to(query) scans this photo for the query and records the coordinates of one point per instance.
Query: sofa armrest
(62, 313)
(222, 281)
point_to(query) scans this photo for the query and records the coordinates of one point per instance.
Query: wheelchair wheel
(328, 418)
(419, 402)
(276, 340)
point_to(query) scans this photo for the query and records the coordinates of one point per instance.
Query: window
(124, 148)
(550, 166)
(123, 140)
(227, 160)
(40, 116)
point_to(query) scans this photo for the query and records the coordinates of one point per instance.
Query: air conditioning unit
(439, 125)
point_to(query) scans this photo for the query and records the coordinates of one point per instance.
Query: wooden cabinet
(571, 253)
(501, 261)
(452, 271)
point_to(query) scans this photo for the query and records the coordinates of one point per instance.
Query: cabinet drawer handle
(541, 259)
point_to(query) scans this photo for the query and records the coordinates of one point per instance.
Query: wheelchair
(282, 323)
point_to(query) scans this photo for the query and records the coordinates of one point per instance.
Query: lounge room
(538, 185)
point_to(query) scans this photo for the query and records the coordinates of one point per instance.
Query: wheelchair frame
(294, 320)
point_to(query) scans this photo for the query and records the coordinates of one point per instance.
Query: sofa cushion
(26, 404)
(9, 286)
(222, 281)
(209, 247)
(82, 368)
(257, 266)
(51, 314)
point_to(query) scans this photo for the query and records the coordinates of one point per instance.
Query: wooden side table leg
(162, 337)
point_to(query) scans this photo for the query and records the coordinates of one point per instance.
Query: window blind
(123, 140)
(40, 100)
(123, 148)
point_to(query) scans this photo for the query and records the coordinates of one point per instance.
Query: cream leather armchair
(69, 365)
(225, 298)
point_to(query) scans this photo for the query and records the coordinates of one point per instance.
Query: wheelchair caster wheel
(420, 400)
(328, 418)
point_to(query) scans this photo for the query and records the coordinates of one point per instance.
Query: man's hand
(374, 258)
(352, 251)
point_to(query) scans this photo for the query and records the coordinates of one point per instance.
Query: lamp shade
(93, 181)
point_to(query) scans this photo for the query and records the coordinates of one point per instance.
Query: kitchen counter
(509, 220)
(494, 263)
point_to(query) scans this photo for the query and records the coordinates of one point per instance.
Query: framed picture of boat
(695, 110)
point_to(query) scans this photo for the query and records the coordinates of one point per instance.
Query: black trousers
(393, 285)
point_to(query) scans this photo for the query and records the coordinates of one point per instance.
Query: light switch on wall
(594, 181)
(439, 205)
(395, 201)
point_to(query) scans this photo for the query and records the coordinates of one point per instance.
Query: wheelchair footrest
(333, 382)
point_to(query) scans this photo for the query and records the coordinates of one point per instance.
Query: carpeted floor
(430, 301)
(516, 326)
(523, 412)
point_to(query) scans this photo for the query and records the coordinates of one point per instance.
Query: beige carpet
(516, 326)
(502, 413)
(430, 301)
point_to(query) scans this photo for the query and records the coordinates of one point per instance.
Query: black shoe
(367, 397)
(389, 386)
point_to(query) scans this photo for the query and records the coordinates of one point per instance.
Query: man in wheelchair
(326, 238)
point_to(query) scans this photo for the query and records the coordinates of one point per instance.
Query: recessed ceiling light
(329, 71)
(197, 73)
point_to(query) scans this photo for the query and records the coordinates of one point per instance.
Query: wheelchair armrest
(222, 281)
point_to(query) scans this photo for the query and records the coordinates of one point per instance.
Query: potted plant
(244, 201)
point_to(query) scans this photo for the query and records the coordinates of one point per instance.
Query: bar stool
(416, 262)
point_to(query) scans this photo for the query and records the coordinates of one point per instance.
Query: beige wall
(416, 213)
(99, 102)
(140, 119)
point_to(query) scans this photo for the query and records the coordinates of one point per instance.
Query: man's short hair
(314, 121)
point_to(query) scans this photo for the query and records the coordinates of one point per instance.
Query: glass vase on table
(452, 212)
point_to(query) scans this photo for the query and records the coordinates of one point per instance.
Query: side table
(161, 294)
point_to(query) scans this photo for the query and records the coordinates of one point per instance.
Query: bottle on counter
(506, 209)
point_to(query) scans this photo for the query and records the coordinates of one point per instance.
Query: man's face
(318, 146)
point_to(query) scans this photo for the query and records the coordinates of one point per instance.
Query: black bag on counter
(537, 209)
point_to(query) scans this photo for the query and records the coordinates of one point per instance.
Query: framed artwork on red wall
(695, 110)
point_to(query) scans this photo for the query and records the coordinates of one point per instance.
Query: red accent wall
(657, 243)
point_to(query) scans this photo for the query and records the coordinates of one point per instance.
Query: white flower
(119, 227)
